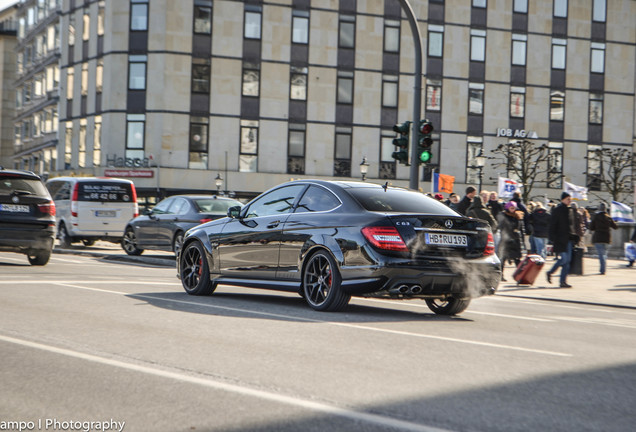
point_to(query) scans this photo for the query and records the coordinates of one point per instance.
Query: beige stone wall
(621, 14)
(321, 94)
(225, 88)
(455, 104)
(577, 64)
(367, 97)
(369, 41)
(576, 115)
(168, 82)
(537, 117)
(538, 59)
(498, 55)
(618, 122)
(319, 149)
(275, 91)
(456, 51)
(277, 24)
(323, 38)
(620, 64)
(227, 29)
(579, 19)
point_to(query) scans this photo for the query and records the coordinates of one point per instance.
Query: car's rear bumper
(26, 238)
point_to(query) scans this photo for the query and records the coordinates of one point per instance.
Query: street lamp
(480, 160)
(218, 180)
(364, 168)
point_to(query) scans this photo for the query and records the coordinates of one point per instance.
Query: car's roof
(18, 173)
(90, 179)
(201, 196)
(344, 184)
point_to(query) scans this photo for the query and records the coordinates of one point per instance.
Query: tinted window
(399, 201)
(105, 191)
(180, 206)
(317, 199)
(9, 185)
(278, 201)
(163, 206)
(217, 206)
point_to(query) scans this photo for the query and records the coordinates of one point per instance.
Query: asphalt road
(87, 340)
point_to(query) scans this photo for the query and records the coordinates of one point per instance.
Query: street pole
(417, 93)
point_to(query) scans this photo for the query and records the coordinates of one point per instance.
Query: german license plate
(456, 240)
(105, 213)
(14, 208)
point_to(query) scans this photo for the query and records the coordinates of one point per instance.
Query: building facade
(8, 40)
(176, 94)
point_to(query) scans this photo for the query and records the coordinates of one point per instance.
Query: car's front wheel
(64, 237)
(129, 242)
(39, 258)
(177, 243)
(322, 284)
(449, 306)
(194, 270)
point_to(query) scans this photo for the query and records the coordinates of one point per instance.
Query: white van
(92, 208)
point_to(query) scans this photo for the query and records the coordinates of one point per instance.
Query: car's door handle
(273, 224)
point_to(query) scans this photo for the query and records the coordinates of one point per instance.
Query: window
(478, 45)
(555, 165)
(248, 158)
(70, 82)
(392, 36)
(389, 91)
(202, 20)
(345, 87)
(139, 15)
(86, 30)
(251, 79)
(317, 199)
(598, 11)
(596, 108)
(276, 202)
(298, 83)
(342, 160)
(300, 27)
(474, 147)
(100, 18)
(198, 158)
(82, 144)
(435, 40)
(252, 23)
(84, 83)
(520, 6)
(71, 30)
(99, 75)
(479, 3)
(557, 105)
(594, 167)
(137, 72)
(560, 8)
(135, 133)
(387, 163)
(598, 58)
(558, 53)
(97, 142)
(519, 43)
(517, 102)
(347, 32)
(433, 95)
(68, 145)
(200, 75)
(296, 149)
(476, 98)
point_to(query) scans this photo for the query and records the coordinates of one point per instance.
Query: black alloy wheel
(40, 257)
(129, 242)
(88, 242)
(449, 306)
(194, 270)
(177, 243)
(64, 237)
(322, 284)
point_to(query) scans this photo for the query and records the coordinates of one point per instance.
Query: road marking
(336, 324)
(354, 415)
(597, 307)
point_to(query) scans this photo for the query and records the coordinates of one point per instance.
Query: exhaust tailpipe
(403, 289)
(415, 289)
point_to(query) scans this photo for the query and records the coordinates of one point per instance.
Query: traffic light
(402, 142)
(424, 142)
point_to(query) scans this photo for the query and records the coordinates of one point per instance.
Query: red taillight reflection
(383, 237)
(490, 245)
(48, 208)
(204, 220)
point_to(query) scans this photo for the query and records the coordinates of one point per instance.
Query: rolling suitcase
(528, 269)
(576, 265)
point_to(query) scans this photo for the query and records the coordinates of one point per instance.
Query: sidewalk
(617, 288)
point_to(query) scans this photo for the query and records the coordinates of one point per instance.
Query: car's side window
(162, 207)
(63, 193)
(278, 201)
(179, 206)
(317, 199)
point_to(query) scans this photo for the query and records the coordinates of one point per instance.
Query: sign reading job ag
(516, 133)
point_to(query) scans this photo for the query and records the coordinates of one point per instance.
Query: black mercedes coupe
(330, 240)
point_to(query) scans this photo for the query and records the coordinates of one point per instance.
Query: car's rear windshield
(399, 201)
(22, 186)
(105, 191)
(215, 206)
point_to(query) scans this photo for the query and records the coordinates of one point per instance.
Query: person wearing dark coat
(463, 205)
(602, 224)
(494, 205)
(480, 211)
(539, 222)
(563, 237)
(510, 224)
(633, 240)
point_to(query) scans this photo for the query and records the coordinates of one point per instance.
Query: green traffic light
(425, 156)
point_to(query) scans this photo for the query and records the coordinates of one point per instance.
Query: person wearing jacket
(510, 223)
(463, 205)
(563, 237)
(480, 211)
(602, 224)
(539, 221)
(633, 240)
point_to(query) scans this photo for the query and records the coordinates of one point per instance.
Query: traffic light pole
(417, 93)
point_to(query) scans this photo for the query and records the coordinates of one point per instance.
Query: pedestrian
(485, 196)
(539, 220)
(633, 240)
(602, 224)
(494, 205)
(452, 201)
(480, 211)
(439, 197)
(510, 224)
(463, 205)
(563, 236)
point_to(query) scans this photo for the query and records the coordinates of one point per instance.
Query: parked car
(92, 208)
(331, 240)
(27, 216)
(163, 227)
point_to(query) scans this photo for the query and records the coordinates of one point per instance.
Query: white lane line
(600, 321)
(298, 402)
(336, 324)
(544, 303)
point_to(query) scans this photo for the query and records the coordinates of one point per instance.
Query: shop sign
(129, 173)
(516, 133)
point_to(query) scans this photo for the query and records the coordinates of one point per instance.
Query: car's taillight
(48, 208)
(74, 199)
(490, 245)
(384, 237)
(134, 197)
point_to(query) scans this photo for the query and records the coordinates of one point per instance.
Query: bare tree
(615, 171)
(528, 163)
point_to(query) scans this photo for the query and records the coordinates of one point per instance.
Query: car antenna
(385, 186)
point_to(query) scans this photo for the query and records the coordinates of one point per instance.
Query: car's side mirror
(234, 212)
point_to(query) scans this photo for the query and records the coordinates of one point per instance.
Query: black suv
(27, 216)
